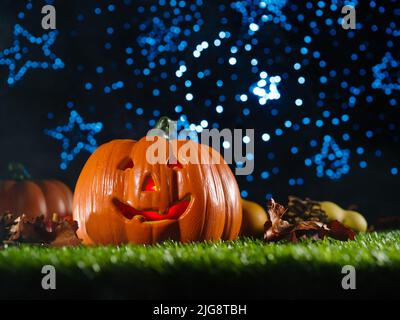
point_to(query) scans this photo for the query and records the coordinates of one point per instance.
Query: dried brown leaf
(6, 221)
(276, 228)
(339, 231)
(55, 232)
(25, 230)
(309, 229)
(65, 234)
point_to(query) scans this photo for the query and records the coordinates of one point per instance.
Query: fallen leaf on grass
(309, 229)
(6, 221)
(25, 230)
(339, 231)
(66, 234)
(56, 232)
(276, 228)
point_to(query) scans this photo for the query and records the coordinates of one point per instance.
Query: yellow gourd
(349, 218)
(254, 218)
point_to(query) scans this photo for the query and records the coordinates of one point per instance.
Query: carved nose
(149, 184)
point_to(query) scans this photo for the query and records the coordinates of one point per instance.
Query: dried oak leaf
(276, 228)
(65, 234)
(339, 231)
(6, 221)
(25, 230)
(309, 229)
(56, 232)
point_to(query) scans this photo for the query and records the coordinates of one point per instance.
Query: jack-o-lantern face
(121, 197)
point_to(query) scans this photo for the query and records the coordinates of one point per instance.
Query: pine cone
(300, 210)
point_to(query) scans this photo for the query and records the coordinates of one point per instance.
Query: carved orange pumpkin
(34, 198)
(120, 197)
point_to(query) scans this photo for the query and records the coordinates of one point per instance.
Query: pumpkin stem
(164, 123)
(18, 171)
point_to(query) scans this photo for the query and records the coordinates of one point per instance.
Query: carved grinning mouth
(173, 212)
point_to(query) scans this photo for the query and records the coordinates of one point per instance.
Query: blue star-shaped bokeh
(387, 74)
(73, 137)
(170, 32)
(17, 54)
(255, 13)
(332, 161)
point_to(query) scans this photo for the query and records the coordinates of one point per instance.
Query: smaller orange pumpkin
(34, 198)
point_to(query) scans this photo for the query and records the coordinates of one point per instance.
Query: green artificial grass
(250, 269)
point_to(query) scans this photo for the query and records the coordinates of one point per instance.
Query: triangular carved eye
(149, 184)
(125, 164)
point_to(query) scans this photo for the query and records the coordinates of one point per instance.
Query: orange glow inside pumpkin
(149, 184)
(173, 212)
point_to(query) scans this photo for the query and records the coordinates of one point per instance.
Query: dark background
(43, 99)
